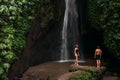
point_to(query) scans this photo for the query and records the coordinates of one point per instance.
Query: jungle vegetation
(15, 20)
(16, 17)
(105, 14)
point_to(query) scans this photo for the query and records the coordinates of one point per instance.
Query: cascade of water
(70, 32)
(64, 51)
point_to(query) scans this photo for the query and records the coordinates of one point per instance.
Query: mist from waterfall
(70, 33)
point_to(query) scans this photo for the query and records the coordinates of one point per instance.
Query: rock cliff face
(42, 44)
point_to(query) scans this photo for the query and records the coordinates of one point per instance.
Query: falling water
(64, 50)
(70, 33)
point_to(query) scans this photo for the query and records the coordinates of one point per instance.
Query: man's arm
(95, 54)
(100, 53)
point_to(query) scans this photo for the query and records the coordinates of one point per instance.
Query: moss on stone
(91, 73)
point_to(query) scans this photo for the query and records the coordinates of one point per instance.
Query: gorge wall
(41, 43)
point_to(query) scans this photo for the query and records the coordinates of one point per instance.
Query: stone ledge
(86, 68)
(82, 70)
(67, 76)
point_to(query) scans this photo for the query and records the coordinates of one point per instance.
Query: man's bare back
(98, 52)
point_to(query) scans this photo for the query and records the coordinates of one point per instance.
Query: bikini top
(77, 51)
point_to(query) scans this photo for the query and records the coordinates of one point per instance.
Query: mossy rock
(74, 67)
(92, 73)
(69, 75)
(83, 73)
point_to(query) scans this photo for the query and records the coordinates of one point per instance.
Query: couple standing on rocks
(97, 55)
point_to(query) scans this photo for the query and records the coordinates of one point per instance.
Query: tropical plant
(15, 19)
(105, 13)
(110, 22)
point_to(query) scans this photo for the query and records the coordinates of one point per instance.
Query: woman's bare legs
(76, 60)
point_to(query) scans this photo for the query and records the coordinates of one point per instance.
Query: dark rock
(40, 42)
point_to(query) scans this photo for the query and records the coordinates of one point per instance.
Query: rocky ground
(50, 70)
(57, 71)
(111, 76)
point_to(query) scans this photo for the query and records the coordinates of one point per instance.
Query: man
(97, 56)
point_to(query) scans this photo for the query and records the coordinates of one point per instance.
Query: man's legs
(98, 63)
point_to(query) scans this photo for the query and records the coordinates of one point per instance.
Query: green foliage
(15, 19)
(111, 25)
(109, 20)
(46, 11)
(90, 74)
(93, 13)
(87, 76)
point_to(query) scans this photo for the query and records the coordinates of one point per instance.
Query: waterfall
(64, 50)
(70, 33)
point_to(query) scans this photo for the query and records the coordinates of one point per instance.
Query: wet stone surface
(55, 70)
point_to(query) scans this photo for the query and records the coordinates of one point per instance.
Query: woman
(76, 53)
(97, 56)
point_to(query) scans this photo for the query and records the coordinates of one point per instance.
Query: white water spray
(64, 50)
(70, 32)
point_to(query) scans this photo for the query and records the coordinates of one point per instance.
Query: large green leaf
(1, 71)
(6, 65)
